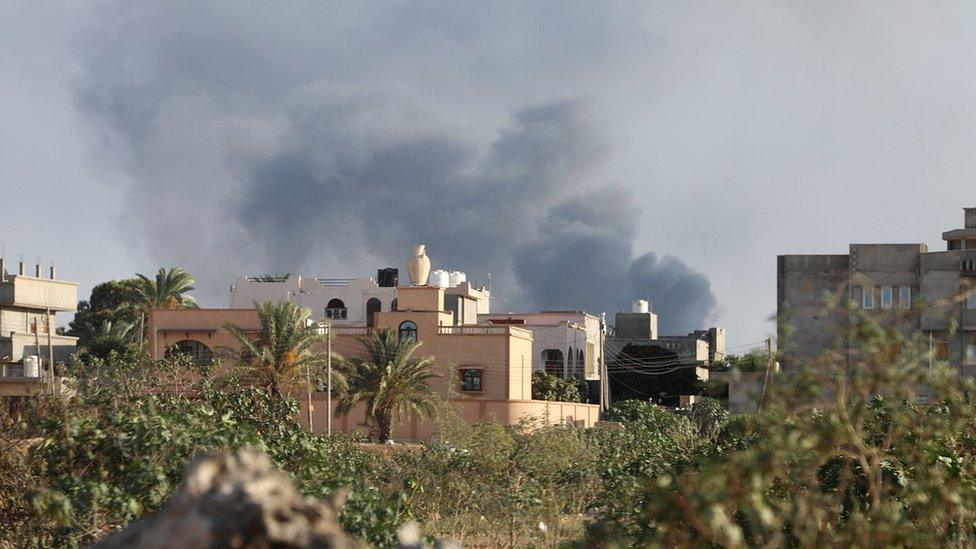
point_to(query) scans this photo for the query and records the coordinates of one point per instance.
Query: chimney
(53, 271)
(970, 217)
(37, 269)
(22, 271)
(3, 268)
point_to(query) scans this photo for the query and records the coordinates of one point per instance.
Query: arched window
(336, 310)
(553, 361)
(192, 348)
(393, 305)
(372, 307)
(408, 331)
(580, 362)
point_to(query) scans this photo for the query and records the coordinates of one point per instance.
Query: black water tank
(388, 277)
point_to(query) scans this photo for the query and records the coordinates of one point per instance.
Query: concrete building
(564, 343)
(637, 354)
(485, 369)
(904, 286)
(342, 301)
(353, 301)
(29, 344)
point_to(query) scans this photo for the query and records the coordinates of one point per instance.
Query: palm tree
(283, 352)
(166, 291)
(390, 381)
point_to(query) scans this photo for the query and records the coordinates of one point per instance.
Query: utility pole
(50, 349)
(769, 366)
(328, 390)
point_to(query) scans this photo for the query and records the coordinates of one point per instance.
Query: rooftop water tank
(640, 306)
(440, 279)
(32, 366)
(457, 277)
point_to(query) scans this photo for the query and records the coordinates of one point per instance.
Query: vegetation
(546, 386)
(390, 382)
(867, 447)
(110, 302)
(281, 358)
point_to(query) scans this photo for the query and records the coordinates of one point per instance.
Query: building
(641, 363)
(905, 287)
(342, 301)
(354, 301)
(29, 344)
(564, 343)
(485, 369)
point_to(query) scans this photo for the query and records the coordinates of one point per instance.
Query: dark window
(471, 379)
(553, 360)
(393, 305)
(192, 348)
(372, 307)
(336, 310)
(408, 331)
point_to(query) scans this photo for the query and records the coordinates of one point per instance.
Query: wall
(309, 293)
(469, 411)
(805, 328)
(41, 293)
(167, 327)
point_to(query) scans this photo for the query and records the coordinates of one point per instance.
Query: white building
(564, 343)
(343, 301)
(352, 301)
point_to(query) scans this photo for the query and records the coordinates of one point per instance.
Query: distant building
(352, 301)
(29, 344)
(485, 369)
(903, 286)
(564, 343)
(643, 364)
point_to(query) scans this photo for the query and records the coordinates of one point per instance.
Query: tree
(546, 386)
(166, 291)
(117, 335)
(390, 381)
(110, 301)
(283, 351)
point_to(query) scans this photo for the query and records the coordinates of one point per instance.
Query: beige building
(485, 370)
(564, 343)
(29, 344)
(902, 286)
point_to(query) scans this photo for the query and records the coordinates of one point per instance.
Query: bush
(546, 386)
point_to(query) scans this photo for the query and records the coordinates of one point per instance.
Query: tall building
(29, 344)
(904, 287)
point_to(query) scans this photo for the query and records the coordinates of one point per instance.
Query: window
(971, 354)
(372, 307)
(408, 331)
(868, 299)
(971, 299)
(336, 310)
(887, 296)
(553, 361)
(471, 379)
(904, 297)
(192, 348)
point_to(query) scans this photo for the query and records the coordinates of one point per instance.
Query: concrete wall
(806, 325)
(310, 293)
(467, 410)
(562, 330)
(635, 326)
(39, 293)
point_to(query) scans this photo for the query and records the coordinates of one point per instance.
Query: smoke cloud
(260, 141)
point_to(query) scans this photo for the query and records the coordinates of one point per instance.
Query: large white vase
(419, 266)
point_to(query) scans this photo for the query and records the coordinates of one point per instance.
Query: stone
(238, 500)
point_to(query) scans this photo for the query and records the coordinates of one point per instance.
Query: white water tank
(32, 366)
(457, 277)
(640, 306)
(440, 279)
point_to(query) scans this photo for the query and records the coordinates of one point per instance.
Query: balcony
(353, 331)
(474, 330)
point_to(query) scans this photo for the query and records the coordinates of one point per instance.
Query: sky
(585, 154)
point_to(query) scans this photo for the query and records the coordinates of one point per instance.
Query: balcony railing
(473, 330)
(351, 330)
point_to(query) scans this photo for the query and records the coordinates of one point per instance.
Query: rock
(237, 500)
